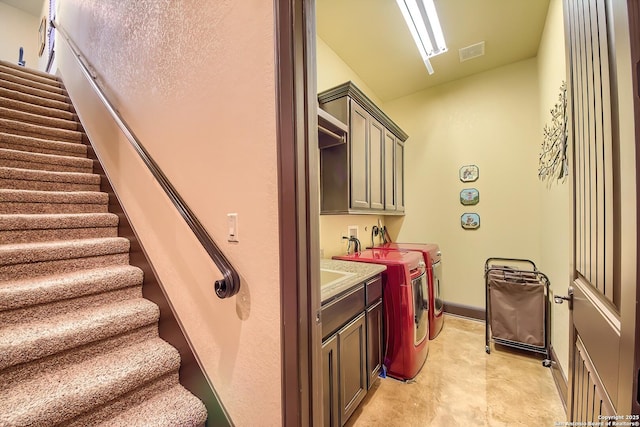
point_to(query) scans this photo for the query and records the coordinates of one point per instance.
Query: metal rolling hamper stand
(517, 306)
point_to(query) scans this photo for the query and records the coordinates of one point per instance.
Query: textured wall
(555, 200)
(195, 81)
(490, 120)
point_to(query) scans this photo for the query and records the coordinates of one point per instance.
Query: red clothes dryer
(432, 257)
(405, 295)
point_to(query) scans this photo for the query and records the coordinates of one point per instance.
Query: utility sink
(332, 277)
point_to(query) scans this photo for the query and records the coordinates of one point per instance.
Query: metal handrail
(230, 284)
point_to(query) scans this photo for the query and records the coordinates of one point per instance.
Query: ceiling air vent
(470, 52)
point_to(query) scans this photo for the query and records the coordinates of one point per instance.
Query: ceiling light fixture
(422, 20)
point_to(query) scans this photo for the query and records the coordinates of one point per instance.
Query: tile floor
(461, 385)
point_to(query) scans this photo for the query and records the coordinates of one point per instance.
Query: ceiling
(32, 7)
(372, 38)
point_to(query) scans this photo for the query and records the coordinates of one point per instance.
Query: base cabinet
(330, 383)
(374, 342)
(344, 359)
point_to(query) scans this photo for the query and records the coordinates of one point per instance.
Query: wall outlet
(352, 231)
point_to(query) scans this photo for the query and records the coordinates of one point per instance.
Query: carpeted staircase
(79, 344)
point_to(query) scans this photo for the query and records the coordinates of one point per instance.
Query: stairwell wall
(18, 29)
(196, 84)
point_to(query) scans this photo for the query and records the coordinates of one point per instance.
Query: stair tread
(30, 72)
(173, 407)
(50, 176)
(32, 88)
(39, 119)
(20, 253)
(50, 86)
(33, 99)
(11, 154)
(51, 144)
(37, 196)
(24, 342)
(45, 289)
(71, 390)
(36, 109)
(55, 221)
(17, 125)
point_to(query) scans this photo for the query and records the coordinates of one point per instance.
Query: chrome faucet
(356, 244)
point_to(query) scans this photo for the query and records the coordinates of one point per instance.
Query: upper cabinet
(365, 175)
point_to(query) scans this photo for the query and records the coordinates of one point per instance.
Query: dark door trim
(298, 212)
(634, 30)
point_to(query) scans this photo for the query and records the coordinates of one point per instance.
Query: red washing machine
(405, 294)
(432, 256)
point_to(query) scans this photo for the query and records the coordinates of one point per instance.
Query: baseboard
(471, 312)
(559, 378)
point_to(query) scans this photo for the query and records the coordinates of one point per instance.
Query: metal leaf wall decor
(553, 157)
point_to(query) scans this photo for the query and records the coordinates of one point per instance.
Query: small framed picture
(469, 196)
(42, 35)
(470, 221)
(469, 173)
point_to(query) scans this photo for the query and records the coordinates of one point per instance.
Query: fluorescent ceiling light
(422, 20)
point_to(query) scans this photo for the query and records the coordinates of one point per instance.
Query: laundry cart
(517, 306)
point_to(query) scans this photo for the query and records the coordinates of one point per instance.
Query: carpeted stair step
(48, 86)
(17, 127)
(25, 228)
(37, 109)
(28, 179)
(19, 294)
(42, 146)
(46, 162)
(35, 100)
(29, 73)
(168, 408)
(68, 391)
(35, 339)
(25, 260)
(52, 202)
(48, 93)
(38, 119)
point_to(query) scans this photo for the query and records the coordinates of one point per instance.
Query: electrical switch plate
(232, 222)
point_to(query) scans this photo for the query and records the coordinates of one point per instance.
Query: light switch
(232, 222)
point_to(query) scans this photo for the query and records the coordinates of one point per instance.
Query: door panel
(359, 157)
(593, 121)
(376, 145)
(389, 171)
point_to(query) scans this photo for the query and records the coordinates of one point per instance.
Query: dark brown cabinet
(365, 175)
(352, 349)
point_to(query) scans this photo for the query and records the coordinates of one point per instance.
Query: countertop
(358, 272)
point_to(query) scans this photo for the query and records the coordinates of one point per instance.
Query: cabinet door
(376, 156)
(389, 172)
(399, 174)
(330, 388)
(374, 342)
(359, 153)
(353, 366)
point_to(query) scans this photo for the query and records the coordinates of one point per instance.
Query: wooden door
(604, 226)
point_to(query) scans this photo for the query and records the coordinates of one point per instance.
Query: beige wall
(555, 199)
(18, 28)
(195, 81)
(333, 71)
(490, 120)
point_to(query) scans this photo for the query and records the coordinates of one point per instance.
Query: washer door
(420, 308)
